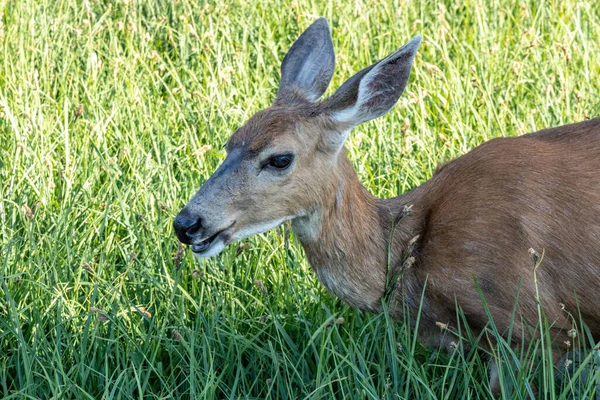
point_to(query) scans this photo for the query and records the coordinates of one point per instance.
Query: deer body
(476, 219)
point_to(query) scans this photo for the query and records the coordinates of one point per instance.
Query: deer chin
(215, 248)
(255, 229)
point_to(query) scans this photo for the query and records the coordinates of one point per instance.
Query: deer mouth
(206, 244)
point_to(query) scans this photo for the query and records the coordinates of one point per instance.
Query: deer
(471, 229)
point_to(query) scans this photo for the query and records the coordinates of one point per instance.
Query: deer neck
(353, 240)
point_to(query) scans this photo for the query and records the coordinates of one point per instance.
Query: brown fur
(477, 219)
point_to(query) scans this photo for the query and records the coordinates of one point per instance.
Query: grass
(113, 114)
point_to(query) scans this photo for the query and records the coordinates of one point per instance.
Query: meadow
(113, 113)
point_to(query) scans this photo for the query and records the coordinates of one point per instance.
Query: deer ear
(308, 66)
(370, 93)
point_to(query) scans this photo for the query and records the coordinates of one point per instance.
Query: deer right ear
(308, 66)
(370, 93)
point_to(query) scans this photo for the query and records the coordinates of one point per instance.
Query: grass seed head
(441, 325)
(568, 362)
(535, 256)
(28, 211)
(258, 283)
(87, 267)
(99, 314)
(202, 150)
(242, 247)
(176, 335)
(178, 256)
(432, 69)
(141, 310)
(516, 67)
(197, 274)
(405, 124)
(413, 240)
(79, 112)
(408, 263)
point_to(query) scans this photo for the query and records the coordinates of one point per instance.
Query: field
(113, 113)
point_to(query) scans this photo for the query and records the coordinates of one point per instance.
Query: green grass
(107, 112)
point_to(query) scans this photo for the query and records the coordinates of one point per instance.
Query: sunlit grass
(113, 114)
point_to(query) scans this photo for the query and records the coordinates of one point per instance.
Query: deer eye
(281, 161)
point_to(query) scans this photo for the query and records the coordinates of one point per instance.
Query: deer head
(285, 162)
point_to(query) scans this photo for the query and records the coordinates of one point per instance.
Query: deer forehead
(277, 127)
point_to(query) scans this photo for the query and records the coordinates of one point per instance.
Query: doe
(474, 221)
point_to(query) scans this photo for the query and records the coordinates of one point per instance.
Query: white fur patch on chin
(258, 228)
(214, 249)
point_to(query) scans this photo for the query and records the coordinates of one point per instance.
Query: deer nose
(186, 226)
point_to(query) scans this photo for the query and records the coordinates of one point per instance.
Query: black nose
(186, 226)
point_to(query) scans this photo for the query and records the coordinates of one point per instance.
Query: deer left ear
(308, 66)
(370, 93)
